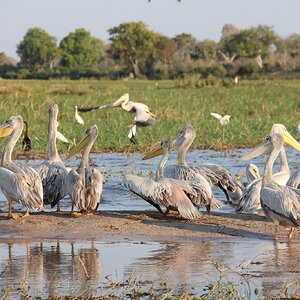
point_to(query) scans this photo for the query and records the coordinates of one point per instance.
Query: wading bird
(143, 115)
(223, 120)
(167, 192)
(281, 204)
(250, 201)
(52, 171)
(181, 170)
(18, 183)
(77, 117)
(84, 184)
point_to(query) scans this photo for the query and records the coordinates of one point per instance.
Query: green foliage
(37, 50)
(131, 43)
(206, 49)
(248, 69)
(81, 50)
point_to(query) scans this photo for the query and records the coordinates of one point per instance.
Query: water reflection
(114, 165)
(52, 268)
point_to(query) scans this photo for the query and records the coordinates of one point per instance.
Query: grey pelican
(250, 201)
(18, 183)
(294, 180)
(181, 170)
(143, 115)
(52, 171)
(78, 118)
(170, 193)
(281, 204)
(252, 172)
(224, 120)
(84, 184)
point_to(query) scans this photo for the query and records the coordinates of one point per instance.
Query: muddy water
(52, 268)
(115, 165)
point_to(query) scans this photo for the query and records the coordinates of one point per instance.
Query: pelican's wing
(22, 184)
(219, 117)
(61, 137)
(143, 117)
(94, 186)
(294, 180)
(86, 109)
(250, 202)
(282, 202)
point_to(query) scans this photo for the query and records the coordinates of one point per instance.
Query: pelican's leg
(74, 213)
(291, 232)
(58, 207)
(26, 215)
(167, 211)
(208, 209)
(276, 232)
(10, 214)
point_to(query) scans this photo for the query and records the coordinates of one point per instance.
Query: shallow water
(114, 165)
(52, 268)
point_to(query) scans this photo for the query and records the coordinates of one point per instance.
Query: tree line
(135, 51)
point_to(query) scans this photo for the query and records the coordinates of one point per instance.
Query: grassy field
(254, 106)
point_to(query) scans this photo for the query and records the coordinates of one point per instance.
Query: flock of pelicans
(178, 187)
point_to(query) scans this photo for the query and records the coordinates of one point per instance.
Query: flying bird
(166, 192)
(143, 115)
(19, 183)
(281, 204)
(53, 171)
(77, 117)
(84, 184)
(223, 120)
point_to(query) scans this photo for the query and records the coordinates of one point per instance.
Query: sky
(202, 19)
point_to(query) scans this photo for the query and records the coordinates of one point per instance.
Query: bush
(248, 69)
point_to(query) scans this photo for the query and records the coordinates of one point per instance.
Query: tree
(228, 30)
(206, 50)
(81, 50)
(185, 44)
(255, 42)
(132, 43)
(165, 49)
(37, 50)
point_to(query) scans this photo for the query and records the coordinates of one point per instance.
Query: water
(52, 268)
(114, 165)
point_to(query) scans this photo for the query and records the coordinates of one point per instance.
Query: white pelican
(84, 184)
(170, 193)
(77, 117)
(214, 174)
(143, 115)
(26, 142)
(18, 183)
(281, 204)
(181, 171)
(250, 202)
(223, 120)
(52, 171)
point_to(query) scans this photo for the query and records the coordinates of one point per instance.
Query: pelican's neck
(160, 170)
(284, 167)
(184, 147)
(52, 153)
(85, 153)
(267, 178)
(10, 144)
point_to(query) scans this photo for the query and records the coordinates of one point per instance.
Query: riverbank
(136, 225)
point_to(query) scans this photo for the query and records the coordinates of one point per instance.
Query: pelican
(52, 171)
(26, 142)
(181, 171)
(214, 174)
(252, 172)
(223, 120)
(281, 204)
(250, 201)
(294, 180)
(143, 115)
(77, 117)
(170, 193)
(84, 184)
(18, 183)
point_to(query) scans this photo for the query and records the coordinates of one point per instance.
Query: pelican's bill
(78, 147)
(155, 152)
(289, 139)
(264, 147)
(5, 130)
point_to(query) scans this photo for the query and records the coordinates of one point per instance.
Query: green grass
(254, 106)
